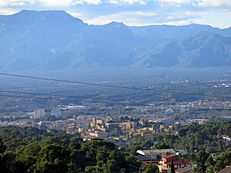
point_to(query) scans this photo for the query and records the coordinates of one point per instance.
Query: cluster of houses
(101, 128)
(163, 158)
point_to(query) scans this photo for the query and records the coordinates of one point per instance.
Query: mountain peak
(116, 24)
(51, 15)
(29, 12)
(52, 40)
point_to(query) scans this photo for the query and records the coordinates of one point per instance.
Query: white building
(39, 113)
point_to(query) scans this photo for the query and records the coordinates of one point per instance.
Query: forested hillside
(37, 151)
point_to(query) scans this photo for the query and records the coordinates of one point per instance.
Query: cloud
(5, 11)
(213, 3)
(16, 2)
(75, 14)
(198, 3)
(94, 2)
(174, 2)
(57, 3)
(127, 2)
(68, 3)
(129, 18)
(48, 3)
(139, 18)
(177, 23)
(133, 12)
(181, 16)
(2, 3)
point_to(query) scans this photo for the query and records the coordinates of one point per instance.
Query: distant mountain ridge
(51, 40)
(204, 49)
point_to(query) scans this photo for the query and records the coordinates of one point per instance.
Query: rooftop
(184, 170)
(227, 169)
(156, 152)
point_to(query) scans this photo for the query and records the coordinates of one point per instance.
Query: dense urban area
(182, 126)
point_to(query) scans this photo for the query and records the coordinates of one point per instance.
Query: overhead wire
(21, 96)
(73, 82)
(33, 95)
(44, 94)
(50, 96)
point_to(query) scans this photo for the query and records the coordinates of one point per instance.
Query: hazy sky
(133, 12)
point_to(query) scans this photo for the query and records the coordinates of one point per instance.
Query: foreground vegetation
(33, 150)
(58, 152)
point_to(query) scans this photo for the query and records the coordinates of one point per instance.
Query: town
(148, 120)
(158, 128)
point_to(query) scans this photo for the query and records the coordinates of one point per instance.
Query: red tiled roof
(170, 157)
(183, 170)
(180, 163)
(226, 170)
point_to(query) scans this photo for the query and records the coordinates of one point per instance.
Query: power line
(26, 97)
(32, 95)
(73, 82)
(7, 93)
(45, 94)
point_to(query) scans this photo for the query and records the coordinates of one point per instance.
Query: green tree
(2, 147)
(27, 156)
(52, 159)
(201, 158)
(210, 164)
(77, 156)
(222, 160)
(9, 163)
(151, 168)
(162, 145)
(90, 169)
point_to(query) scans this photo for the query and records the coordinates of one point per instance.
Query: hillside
(54, 40)
(198, 50)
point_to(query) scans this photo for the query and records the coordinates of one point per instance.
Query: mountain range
(53, 40)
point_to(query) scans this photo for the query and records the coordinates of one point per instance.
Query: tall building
(39, 113)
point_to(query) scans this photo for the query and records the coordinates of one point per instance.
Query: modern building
(39, 113)
(153, 155)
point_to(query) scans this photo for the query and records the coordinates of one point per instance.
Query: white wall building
(39, 113)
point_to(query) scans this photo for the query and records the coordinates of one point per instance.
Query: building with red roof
(165, 163)
(227, 169)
